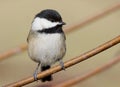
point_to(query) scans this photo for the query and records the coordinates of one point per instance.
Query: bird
(47, 41)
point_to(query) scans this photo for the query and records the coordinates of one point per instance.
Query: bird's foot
(35, 76)
(36, 72)
(62, 65)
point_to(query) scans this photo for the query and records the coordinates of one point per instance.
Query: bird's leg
(36, 72)
(62, 64)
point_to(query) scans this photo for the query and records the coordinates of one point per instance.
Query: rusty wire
(78, 79)
(67, 64)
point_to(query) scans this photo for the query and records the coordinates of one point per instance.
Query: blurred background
(15, 22)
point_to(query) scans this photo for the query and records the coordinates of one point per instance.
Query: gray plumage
(46, 41)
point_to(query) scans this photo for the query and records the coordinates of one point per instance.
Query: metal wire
(67, 64)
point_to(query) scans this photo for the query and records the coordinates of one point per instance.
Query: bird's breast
(46, 48)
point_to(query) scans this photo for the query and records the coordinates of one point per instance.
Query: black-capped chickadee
(46, 41)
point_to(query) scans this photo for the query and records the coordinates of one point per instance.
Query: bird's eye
(52, 20)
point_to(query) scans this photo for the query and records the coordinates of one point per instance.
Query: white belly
(47, 49)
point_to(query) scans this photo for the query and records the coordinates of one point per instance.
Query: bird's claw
(35, 76)
(62, 65)
(36, 72)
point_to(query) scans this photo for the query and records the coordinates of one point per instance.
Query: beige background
(15, 21)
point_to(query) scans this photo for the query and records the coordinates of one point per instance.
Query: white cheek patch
(42, 23)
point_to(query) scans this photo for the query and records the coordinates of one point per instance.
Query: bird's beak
(63, 23)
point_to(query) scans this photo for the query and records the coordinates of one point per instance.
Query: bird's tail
(47, 78)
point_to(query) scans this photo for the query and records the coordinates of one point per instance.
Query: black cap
(51, 15)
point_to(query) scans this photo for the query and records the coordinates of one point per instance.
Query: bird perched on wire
(46, 41)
